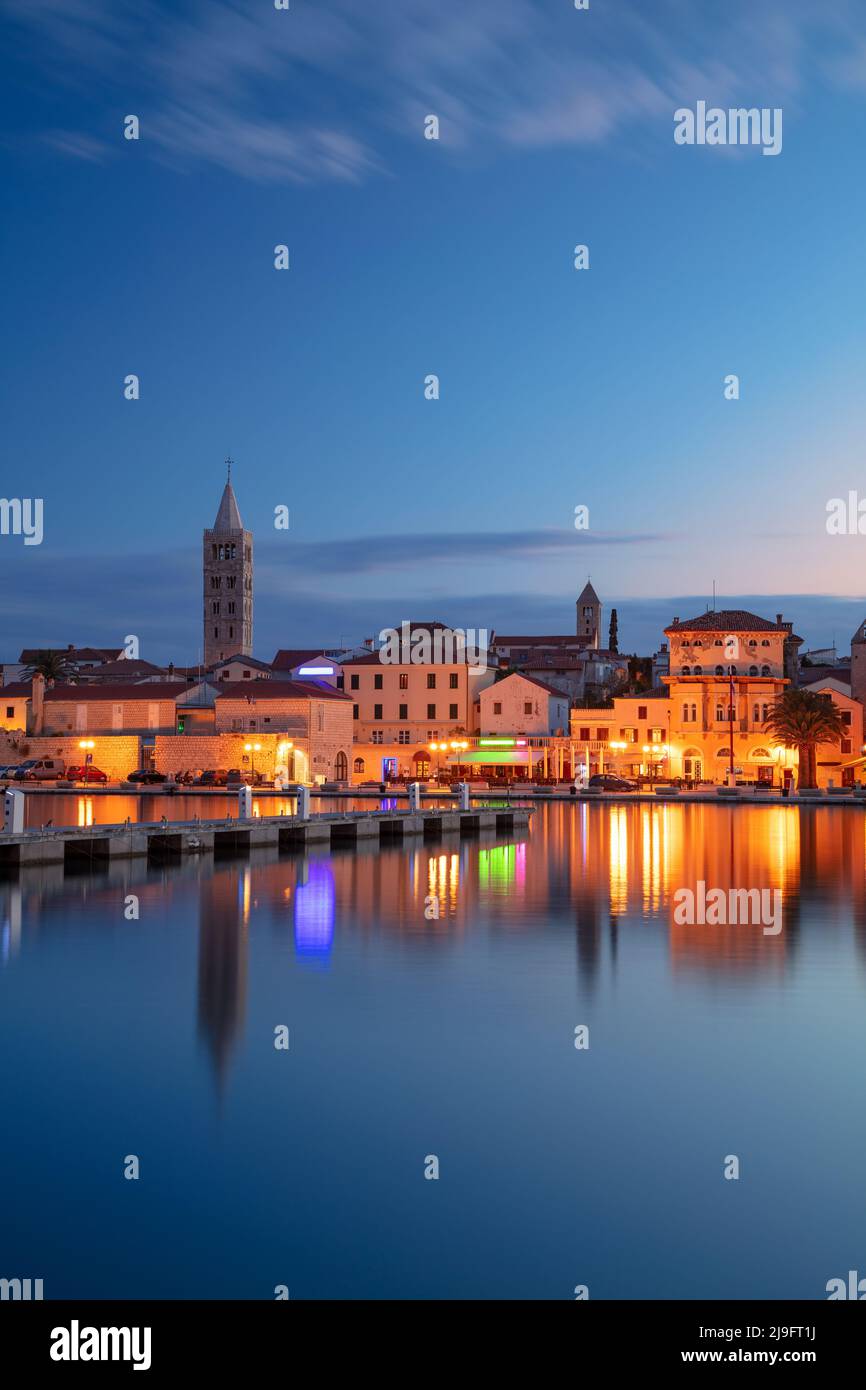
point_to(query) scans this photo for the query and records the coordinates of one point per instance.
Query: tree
(613, 638)
(53, 665)
(802, 719)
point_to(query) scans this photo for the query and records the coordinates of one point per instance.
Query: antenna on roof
(714, 595)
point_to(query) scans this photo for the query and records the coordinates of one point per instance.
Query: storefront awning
(490, 757)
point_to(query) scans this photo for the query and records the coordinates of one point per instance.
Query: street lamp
(458, 748)
(87, 743)
(253, 748)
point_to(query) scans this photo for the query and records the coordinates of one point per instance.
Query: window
(765, 670)
(404, 681)
(403, 712)
(10, 711)
(231, 632)
(214, 581)
(431, 711)
(846, 745)
(377, 711)
(601, 735)
(846, 717)
(354, 682)
(628, 735)
(756, 714)
(497, 706)
(453, 681)
(377, 681)
(215, 607)
(584, 735)
(402, 735)
(359, 765)
(356, 711)
(527, 706)
(718, 642)
(341, 766)
(764, 642)
(230, 582)
(431, 680)
(687, 670)
(720, 671)
(699, 670)
(216, 632)
(452, 711)
(753, 670)
(641, 711)
(657, 735)
(377, 736)
(231, 607)
(247, 675)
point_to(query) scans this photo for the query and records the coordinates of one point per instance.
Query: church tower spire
(227, 569)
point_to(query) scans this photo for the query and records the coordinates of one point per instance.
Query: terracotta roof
(281, 690)
(31, 654)
(726, 620)
(126, 669)
(534, 641)
(287, 658)
(247, 661)
(16, 689)
(147, 690)
(522, 676)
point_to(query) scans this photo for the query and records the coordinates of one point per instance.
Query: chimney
(37, 704)
(676, 620)
(778, 620)
(368, 642)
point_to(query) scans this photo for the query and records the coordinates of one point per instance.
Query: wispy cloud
(318, 92)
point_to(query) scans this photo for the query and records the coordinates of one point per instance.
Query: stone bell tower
(227, 568)
(589, 615)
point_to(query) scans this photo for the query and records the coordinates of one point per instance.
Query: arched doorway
(421, 764)
(692, 765)
(341, 767)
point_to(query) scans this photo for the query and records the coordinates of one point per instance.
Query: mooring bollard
(463, 796)
(304, 803)
(245, 803)
(414, 796)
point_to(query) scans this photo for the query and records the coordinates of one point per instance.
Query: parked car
(610, 782)
(20, 769)
(213, 777)
(41, 770)
(87, 773)
(146, 776)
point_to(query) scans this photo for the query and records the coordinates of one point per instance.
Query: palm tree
(801, 719)
(53, 665)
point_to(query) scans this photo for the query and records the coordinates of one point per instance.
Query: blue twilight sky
(411, 256)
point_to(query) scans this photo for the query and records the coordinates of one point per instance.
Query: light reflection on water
(447, 1032)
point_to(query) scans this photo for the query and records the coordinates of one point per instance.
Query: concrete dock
(169, 839)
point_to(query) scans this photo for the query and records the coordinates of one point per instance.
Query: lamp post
(84, 744)
(458, 748)
(438, 748)
(253, 748)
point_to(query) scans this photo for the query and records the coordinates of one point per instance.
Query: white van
(45, 770)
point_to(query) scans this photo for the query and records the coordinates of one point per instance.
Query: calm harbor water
(412, 1036)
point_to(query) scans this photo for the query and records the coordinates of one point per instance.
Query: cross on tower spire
(229, 462)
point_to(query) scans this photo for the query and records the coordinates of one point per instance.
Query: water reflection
(591, 870)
